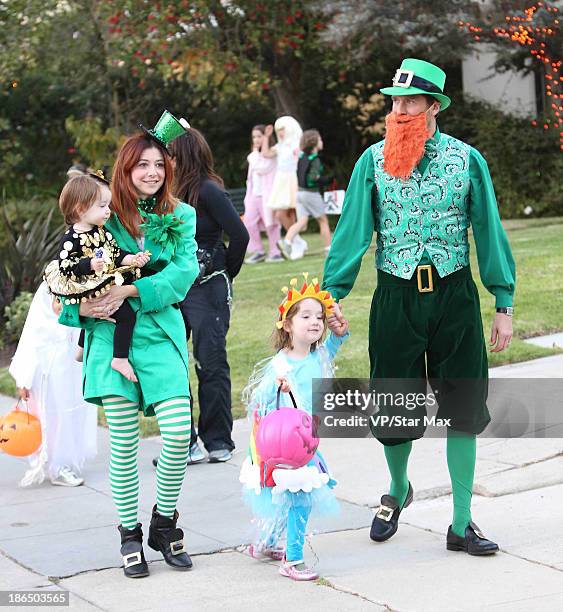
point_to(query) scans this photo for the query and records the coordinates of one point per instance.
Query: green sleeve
(71, 318)
(496, 264)
(314, 174)
(354, 231)
(171, 284)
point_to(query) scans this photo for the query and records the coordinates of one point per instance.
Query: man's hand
(501, 332)
(97, 264)
(269, 130)
(24, 394)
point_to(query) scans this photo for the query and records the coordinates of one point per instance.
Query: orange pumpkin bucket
(20, 433)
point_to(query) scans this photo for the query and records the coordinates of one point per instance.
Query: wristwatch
(508, 310)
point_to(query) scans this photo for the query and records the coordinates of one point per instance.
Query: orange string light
(522, 31)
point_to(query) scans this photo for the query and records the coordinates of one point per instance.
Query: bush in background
(525, 161)
(15, 315)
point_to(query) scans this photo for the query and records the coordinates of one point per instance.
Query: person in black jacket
(206, 308)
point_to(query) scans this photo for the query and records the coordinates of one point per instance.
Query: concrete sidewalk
(57, 538)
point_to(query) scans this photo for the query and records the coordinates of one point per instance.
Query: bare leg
(298, 226)
(325, 230)
(285, 218)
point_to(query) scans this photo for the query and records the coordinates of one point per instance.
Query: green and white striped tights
(174, 419)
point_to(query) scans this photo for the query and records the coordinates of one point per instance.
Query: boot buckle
(132, 559)
(177, 547)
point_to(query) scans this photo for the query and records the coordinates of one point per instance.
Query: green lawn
(537, 246)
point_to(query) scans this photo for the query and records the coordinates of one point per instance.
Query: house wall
(510, 91)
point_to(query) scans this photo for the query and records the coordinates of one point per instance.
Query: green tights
(461, 455)
(174, 420)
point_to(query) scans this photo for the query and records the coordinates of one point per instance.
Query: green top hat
(419, 77)
(166, 129)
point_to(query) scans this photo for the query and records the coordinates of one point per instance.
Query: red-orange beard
(404, 143)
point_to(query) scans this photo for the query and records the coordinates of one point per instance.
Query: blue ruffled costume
(296, 493)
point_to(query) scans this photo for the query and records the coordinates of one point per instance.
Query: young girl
(310, 202)
(285, 497)
(90, 261)
(50, 381)
(257, 216)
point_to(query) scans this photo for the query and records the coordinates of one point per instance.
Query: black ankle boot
(134, 564)
(168, 539)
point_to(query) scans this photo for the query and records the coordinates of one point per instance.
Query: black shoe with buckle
(168, 539)
(134, 564)
(386, 520)
(474, 542)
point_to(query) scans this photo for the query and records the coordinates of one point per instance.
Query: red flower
(71, 150)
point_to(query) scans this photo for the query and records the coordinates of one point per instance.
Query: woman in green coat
(145, 217)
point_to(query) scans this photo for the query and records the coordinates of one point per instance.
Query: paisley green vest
(427, 212)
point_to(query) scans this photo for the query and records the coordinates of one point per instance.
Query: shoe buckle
(430, 286)
(132, 559)
(177, 547)
(385, 513)
(477, 531)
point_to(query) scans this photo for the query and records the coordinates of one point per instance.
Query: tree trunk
(103, 59)
(285, 99)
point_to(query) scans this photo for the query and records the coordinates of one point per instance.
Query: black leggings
(124, 323)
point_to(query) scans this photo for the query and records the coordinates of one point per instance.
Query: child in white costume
(283, 197)
(47, 373)
(284, 189)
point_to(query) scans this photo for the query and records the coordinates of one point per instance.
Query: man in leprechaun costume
(420, 190)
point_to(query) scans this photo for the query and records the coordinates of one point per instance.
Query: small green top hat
(419, 77)
(166, 129)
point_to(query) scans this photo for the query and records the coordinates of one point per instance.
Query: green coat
(158, 351)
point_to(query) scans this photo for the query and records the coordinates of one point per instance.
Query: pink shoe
(289, 570)
(260, 552)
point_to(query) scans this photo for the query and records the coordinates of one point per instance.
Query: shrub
(15, 315)
(29, 242)
(525, 161)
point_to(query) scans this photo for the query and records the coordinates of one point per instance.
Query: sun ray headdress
(308, 290)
